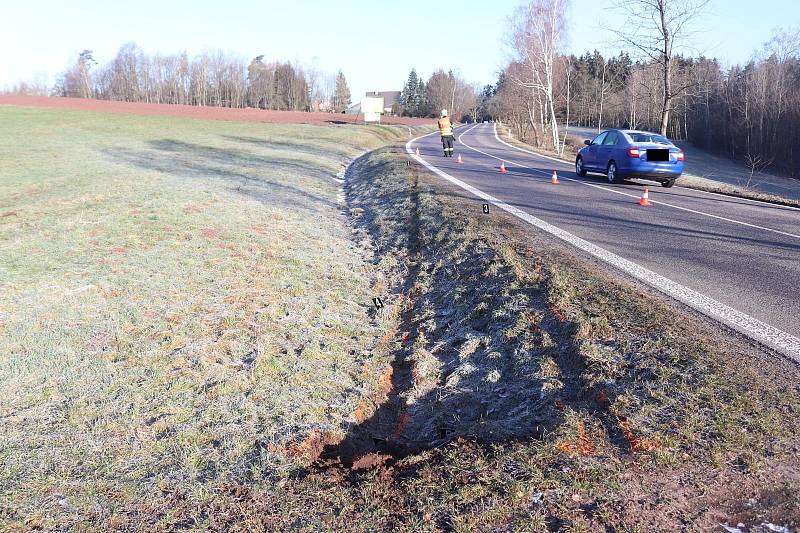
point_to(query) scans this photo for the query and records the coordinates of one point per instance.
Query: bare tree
(756, 164)
(539, 33)
(85, 62)
(36, 87)
(259, 77)
(605, 85)
(126, 68)
(517, 104)
(77, 80)
(470, 101)
(567, 69)
(322, 92)
(445, 90)
(290, 88)
(653, 28)
(441, 85)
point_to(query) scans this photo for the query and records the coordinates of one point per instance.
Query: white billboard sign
(372, 108)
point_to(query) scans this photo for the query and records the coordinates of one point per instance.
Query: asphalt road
(741, 253)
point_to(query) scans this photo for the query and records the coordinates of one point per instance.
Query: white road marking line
(729, 196)
(500, 158)
(773, 337)
(469, 130)
(528, 151)
(659, 202)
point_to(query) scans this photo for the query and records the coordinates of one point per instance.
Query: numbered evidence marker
(378, 303)
(486, 208)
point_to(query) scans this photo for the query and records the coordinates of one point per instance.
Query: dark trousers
(447, 144)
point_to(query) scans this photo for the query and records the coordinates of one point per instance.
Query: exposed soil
(205, 112)
(377, 439)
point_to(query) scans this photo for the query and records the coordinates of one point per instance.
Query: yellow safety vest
(445, 128)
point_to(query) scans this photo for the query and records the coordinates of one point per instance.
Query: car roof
(631, 131)
(640, 131)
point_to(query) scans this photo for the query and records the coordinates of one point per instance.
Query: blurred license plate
(658, 155)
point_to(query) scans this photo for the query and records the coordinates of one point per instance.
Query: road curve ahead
(733, 259)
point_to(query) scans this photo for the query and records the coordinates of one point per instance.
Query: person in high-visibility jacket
(446, 130)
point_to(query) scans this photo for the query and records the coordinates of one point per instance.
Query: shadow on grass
(272, 180)
(507, 360)
(328, 150)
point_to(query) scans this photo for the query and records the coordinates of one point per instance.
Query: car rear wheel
(611, 172)
(668, 183)
(579, 169)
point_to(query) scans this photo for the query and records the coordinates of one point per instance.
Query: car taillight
(679, 156)
(633, 152)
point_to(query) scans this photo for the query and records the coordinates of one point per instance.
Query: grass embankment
(709, 185)
(530, 392)
(181, 304)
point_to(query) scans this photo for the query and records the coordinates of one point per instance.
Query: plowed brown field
(209, 113)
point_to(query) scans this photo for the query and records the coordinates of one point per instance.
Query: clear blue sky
(375, 43)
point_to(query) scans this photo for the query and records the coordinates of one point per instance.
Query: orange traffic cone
(645, 199)
(554, 179)
(417, 150)
(460, 161)
(503, 167)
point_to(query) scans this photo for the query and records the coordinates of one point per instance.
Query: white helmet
(444, 113)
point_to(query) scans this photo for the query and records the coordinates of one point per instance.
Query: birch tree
(567, 99)
(539, 33)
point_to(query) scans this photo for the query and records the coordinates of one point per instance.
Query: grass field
(180, 305)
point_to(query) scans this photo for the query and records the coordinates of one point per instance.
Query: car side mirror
(587, 142)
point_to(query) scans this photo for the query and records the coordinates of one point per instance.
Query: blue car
(621, 154)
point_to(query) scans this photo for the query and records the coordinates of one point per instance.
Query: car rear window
(639, 137)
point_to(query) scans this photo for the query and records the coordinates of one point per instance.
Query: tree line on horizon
(443, 90)
(747, 112)
(210, 79)
(222, 79)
